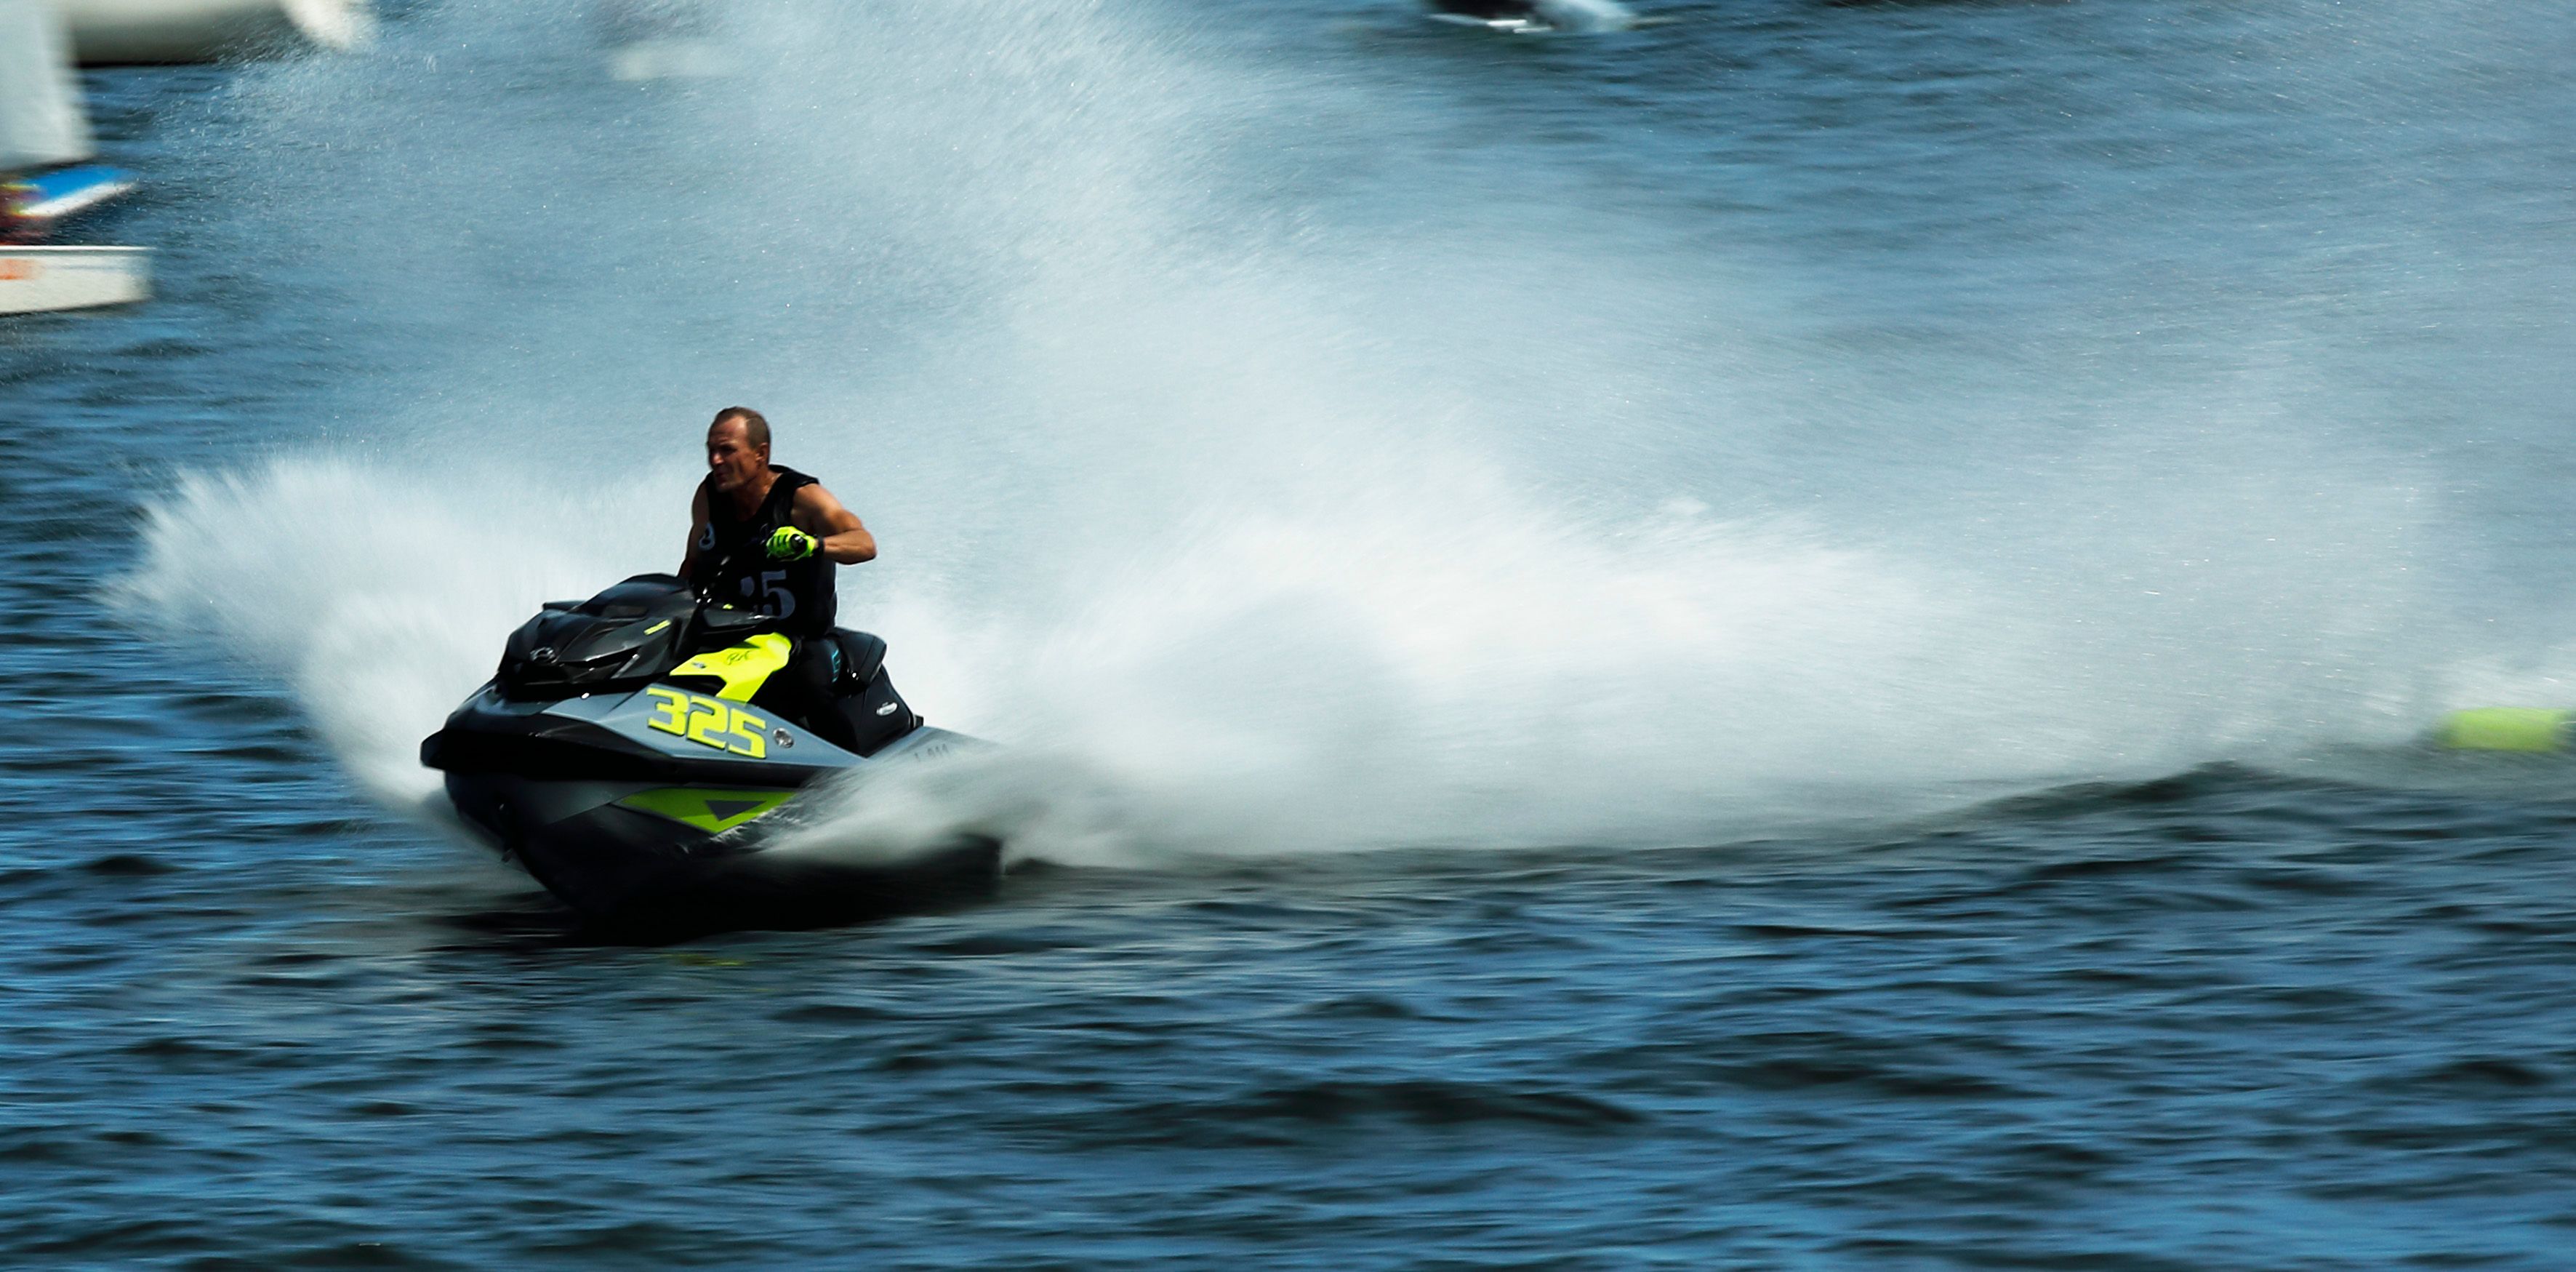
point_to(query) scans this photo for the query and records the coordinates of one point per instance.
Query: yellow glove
(792, 544)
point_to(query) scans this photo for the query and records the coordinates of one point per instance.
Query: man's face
(730, 457)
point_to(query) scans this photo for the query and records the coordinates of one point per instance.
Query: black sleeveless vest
(734, 566)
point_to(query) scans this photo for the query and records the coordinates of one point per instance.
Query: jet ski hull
(640, 856)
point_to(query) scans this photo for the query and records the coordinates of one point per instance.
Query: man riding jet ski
(630, 746)
(767, 538)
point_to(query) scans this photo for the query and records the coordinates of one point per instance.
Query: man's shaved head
(755, 427)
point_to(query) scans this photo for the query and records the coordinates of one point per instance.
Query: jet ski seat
(868, 712)
(862, 657)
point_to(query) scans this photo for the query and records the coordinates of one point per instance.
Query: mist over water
(1301, 452)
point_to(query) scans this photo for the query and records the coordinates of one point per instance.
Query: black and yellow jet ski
(637, 752)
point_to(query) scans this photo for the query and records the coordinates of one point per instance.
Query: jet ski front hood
(654, 734)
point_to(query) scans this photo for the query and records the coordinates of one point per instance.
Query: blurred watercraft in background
(32, 204)
(1537, 17)
(662, 39)
(43, 279)
(44, 181)
(108, 32)
(2526, 730)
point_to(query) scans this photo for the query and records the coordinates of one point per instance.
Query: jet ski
(637, 754)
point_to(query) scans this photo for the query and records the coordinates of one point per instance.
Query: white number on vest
(769, 592)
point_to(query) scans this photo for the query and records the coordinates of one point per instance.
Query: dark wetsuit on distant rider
(777, 556)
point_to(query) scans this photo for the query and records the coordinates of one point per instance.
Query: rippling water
(1786, 639)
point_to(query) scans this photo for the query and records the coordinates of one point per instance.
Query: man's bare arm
(845, 541)
(697, 532)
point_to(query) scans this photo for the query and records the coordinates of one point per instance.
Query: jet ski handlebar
(716, 569)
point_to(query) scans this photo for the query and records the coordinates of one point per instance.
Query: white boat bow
(43, 279)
